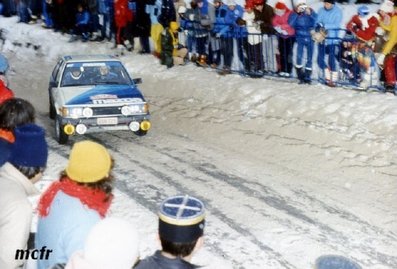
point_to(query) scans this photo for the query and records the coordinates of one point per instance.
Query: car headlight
(134, 109)
(88, 112)
(72, 112)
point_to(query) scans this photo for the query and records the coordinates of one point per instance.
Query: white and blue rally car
(89, 93)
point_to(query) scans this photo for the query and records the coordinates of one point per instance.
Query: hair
(105, 184)
(14, 112)
(29, 172)
(177, 249)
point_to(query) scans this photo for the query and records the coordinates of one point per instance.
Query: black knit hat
(181, 219)
(329, 1)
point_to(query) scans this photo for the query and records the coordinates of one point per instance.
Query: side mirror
(137, 80)
(52, 84)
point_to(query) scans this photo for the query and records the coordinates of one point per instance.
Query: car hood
(100, 94)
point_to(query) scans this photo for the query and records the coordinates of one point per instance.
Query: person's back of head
(181, 225)
(113, 243)
(87, 177)
(29, 152)
(14, 112)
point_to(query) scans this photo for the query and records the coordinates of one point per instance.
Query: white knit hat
(387, 6)
(182, 9)
(231, 2)
(112, 243)
(299, 2)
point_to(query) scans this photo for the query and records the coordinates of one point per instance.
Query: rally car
(89, 93)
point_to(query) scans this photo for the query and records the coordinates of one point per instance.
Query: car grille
(103, 111)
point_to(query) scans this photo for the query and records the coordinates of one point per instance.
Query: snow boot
(308, 76)
(202, 60)
(300, 74)
(330, 77)
(225, 71)
(193, 58)
(73, 38)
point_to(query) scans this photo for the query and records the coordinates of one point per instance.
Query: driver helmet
(103, 70)
(76, 72)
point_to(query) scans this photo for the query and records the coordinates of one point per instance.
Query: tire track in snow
(370, 251)
(157, 196)
(275, 202)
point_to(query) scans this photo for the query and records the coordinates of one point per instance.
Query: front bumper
(109, 123)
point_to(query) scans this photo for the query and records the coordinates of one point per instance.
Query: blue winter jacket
(220, 25)
(82, 17)
(64, 229)
(302, 23)
(154, 11)
(231, 18)
(331, 19)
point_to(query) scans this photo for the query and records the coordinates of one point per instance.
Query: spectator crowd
(255, 39)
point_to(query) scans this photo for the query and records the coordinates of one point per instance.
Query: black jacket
(158, 261)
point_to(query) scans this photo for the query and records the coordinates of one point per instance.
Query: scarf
(94, 199)
(7, 135)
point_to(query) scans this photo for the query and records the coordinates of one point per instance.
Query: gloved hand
(380, 59)
(319, 26)
(218, 35)
(302, 8)
(278, 29)
(379, 31)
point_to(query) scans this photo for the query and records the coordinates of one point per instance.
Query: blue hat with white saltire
(181, 219)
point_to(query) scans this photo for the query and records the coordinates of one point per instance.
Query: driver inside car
(73, 77)
(104, 75)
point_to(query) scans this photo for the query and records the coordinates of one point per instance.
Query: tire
(60, 135)
(140, 132)
(51, 110)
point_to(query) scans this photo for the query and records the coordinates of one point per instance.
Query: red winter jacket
(122, 15)
(358, 27)
(5, 93)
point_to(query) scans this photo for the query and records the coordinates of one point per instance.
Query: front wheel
(60, 135)
(140, 132)
(51, 110)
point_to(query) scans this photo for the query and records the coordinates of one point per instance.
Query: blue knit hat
(5, 151)
(181, 219)
(363, 11)
(30, 148)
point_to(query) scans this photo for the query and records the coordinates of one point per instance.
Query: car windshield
(94, 73)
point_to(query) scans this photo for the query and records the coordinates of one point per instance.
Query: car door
(53, 85)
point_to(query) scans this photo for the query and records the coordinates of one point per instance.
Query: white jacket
(15, 214)
(254, 31)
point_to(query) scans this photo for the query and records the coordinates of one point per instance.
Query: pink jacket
(282, 22)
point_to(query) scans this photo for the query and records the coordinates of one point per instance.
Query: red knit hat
(249, 4)
(280, 5)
